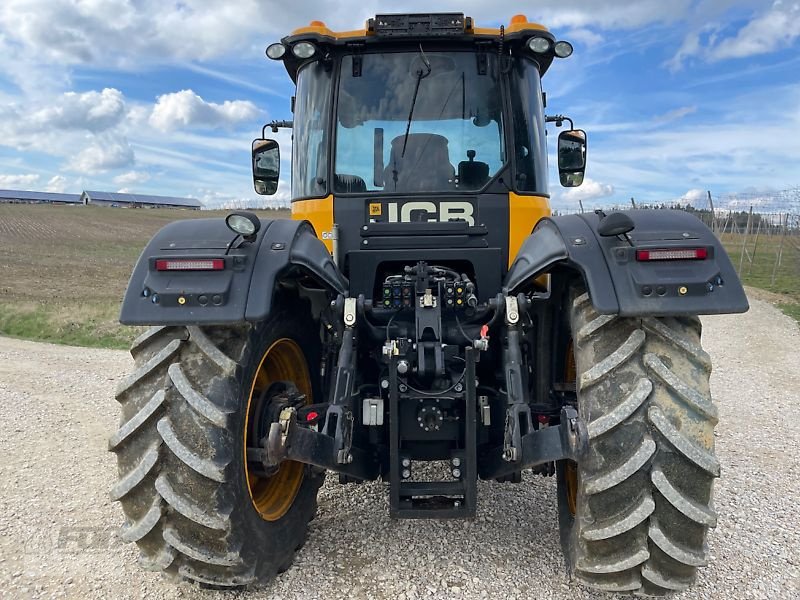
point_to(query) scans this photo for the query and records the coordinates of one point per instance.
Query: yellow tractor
(422, 319)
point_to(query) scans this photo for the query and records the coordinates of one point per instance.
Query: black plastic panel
(435, 24)
(617, 282)
(243, 291)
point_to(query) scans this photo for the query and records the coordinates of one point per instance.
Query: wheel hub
(281, 381)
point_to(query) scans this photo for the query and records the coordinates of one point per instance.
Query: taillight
(190, 264)
(672, 254)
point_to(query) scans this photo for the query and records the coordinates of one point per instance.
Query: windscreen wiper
(421, 74)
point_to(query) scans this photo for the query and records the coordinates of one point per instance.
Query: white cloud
(17, 181)
(57, 183)
(26, 125)
(695, 197)
(689, 48)
(589, 190)
(726, 155)
(584, 36)
(767, 31)
(123, 33)
(243, 196)
(103, 153)
(132, 178)
(187, 109)
(776, 28)
(676, 114)
(92, 111)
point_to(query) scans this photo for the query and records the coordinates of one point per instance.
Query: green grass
(96, 326)
(785, 287)
(64, 269)
(793, 310)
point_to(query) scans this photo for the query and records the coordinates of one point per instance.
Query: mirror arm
(559, 120)
(275, 125)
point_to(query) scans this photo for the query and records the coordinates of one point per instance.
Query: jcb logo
(430, 212)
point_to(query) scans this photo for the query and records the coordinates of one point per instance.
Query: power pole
(744, 240)
(633, 203)
(581, 203)
(713, 214)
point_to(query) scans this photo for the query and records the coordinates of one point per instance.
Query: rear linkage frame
(331, 448)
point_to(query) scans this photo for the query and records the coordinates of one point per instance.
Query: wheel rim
(570, 467)
(571, 479)
(272, 497)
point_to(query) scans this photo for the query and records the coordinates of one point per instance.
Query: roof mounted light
(563, 49)
(304, 49)
(276, 51)
(539, 45)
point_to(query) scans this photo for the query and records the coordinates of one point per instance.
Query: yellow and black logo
(375, 209)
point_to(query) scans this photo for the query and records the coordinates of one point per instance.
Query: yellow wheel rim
(571, 479)
(570, 467)
(273, 496)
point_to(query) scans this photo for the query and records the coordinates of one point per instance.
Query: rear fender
(619, 284)
(244, 291)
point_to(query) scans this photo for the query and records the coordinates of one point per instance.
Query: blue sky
(164, 97)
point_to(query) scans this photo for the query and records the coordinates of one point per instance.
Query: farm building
(98, 199)
(21, 197)
(137, 200)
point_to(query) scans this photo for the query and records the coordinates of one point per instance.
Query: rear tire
(180, 451)
(642, 499)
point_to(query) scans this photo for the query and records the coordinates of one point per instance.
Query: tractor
(422, 319)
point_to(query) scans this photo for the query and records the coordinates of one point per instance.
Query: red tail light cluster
(672, 254)
(183, 264)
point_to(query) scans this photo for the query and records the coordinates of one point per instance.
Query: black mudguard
(619, 284)
(242, 292)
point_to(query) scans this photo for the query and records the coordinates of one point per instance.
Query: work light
(244, 223)
(563, 49)
(303, 50)
(276, 51)
(539, 45)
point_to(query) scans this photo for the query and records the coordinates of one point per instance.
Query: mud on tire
(180, 447)
(643, 497)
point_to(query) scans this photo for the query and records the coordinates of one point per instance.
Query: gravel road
(57, 526)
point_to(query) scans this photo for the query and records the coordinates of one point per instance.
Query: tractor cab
(419, 131)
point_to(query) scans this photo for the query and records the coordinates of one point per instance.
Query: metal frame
(434, 499)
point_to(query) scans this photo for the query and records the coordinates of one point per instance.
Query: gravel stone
(58, 528)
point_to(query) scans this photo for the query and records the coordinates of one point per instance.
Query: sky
(165, 97)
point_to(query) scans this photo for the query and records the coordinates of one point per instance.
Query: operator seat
(425, 165)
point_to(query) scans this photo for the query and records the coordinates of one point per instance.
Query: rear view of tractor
(421, 306)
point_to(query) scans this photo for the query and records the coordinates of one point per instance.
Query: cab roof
(420, 25)
(404, 29)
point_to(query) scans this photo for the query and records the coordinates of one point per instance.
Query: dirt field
(57, 526)
(63, 269)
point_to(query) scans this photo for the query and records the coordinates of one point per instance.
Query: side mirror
(571, 157)
(266, 166)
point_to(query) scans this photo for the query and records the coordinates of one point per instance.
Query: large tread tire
(180, 446)
(644, 492)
